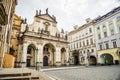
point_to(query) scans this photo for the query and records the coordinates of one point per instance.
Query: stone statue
(27, 28)
(36, 12)
(39, 12)
(25, 21)
(62, 31)
(47, 11)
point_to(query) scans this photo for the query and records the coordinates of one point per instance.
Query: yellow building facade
(14, 36)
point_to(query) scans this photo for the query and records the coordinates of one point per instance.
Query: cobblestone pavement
(86, 73)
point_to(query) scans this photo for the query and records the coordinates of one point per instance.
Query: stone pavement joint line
(90, 73)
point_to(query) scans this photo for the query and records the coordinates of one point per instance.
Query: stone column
(67, 56)
(19, 55)
(51, 57)
(38, 63)
(24, 55)
(57, 57)
(115, 26)
(86, 60)
(40, 54)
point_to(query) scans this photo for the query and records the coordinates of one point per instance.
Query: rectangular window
(88, 51)
(91, 40)
(92, 50)
(100, 47)
(87, 42)
(83, 43)
(74, 45)
(112, 31)
(105, 34)
(98, 28)
(99, 36)
(107, 46)
(84, 51)
(114, 44)
(77, 44)
(80, 44)
(90, 30)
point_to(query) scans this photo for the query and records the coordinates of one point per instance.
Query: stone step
(14, 74)
(18, 74)
(16, 78)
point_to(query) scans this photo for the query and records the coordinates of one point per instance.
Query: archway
(76, 57)
(45, 61)
(48, 55)
(63, 59)
(93, 60)
(30, 62)
(106, 58)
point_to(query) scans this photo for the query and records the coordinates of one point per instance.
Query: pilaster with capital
(40, 54)
(58, 56)
(24, 55)
(67, 54)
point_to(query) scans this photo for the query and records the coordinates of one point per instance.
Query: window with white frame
(114, 44)
(90, 30)
(107, 46)
(100, 46)
(91, 40)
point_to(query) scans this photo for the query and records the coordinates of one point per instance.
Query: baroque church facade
(41, 43)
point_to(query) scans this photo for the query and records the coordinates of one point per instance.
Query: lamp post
(36, 58)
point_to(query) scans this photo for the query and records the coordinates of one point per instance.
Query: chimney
(88, 20)
(75, 27)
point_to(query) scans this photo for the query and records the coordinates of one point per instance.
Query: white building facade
(41, 42)
(107, 36)
(82, 44)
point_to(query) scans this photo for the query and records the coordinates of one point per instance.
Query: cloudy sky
(68, 12)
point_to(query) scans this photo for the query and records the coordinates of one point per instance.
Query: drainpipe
(6, 33)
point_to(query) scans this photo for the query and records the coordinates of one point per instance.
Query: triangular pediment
(47, 17)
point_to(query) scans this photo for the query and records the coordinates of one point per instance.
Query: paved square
(83, 73)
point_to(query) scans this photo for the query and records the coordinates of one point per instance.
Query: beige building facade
(42, 44)
(82, 44)
(7, 8)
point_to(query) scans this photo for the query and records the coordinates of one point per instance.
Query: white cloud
(67, 12)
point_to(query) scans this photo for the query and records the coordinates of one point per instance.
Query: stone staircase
(19, 74)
